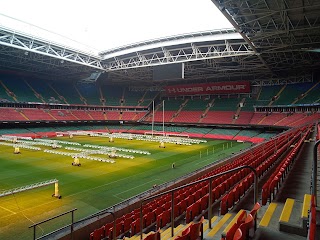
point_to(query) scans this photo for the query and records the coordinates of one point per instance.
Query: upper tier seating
(267, 93)
(21, 90)
(226, 104)
(68, 91)
(197, 104)
(311, 97)
(291, 92)
(132, 98)
(4, 97)
(90, 93)
(112, 95)
(249, 103)
(45, 91)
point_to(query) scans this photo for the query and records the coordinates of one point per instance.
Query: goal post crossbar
(154, 133)
(177, 135)
(166, 134)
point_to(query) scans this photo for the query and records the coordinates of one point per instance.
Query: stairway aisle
(285, 209)
(298, 181)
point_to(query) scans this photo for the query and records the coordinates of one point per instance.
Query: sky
(107, 24)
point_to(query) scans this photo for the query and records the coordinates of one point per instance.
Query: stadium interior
(257, 83)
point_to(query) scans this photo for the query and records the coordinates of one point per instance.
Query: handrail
(49, 219)
(172, 191)
(79, 221)
(315, 168)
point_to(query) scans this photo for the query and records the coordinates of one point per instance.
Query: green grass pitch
(93, 186)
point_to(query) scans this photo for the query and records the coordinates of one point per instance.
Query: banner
(209, 88)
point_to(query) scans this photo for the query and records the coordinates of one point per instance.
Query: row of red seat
(226, 117)
(35, 114)
(261, 163)
(273, 183)
(312, 220)
(191, 201)
(245, 182)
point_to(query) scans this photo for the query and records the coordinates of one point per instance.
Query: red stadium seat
(242, 217)
(255, 209)
(126, 224)
(196, 230)
(238, 235)
(98, 234)
(135, 227)
(224, 205)
(247, 227)
(119, 228)
(107, 228)
(163, 219)
(204, 201)
(158, 210)
(148, 219)
(312, 231)
(182, 206)
(197, 195)
(231, 232)
(185, 235)
(153, 236)
(190, 200)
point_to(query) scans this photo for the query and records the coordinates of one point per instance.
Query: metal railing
(49, 219)
(315, 170)
(73, 223)
(255, 196)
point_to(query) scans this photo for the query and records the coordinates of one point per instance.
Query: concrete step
(289, 217)
(218, 227)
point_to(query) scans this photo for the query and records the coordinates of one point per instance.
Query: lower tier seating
(192, 201)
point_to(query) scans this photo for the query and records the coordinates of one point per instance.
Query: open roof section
(174, 49)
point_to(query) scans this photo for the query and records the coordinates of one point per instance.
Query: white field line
(8, 210)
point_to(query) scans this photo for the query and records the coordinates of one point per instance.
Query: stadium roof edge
(23, 34)
(169, 39)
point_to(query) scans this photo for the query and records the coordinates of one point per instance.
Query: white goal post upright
(163, 117)
(152, 118)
